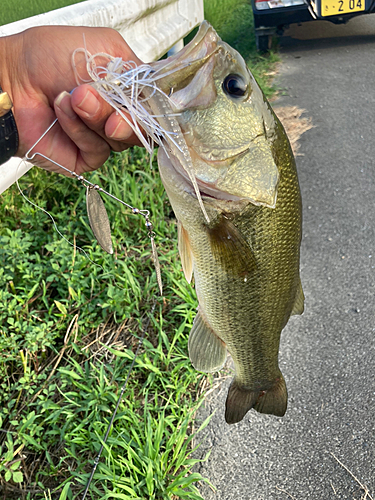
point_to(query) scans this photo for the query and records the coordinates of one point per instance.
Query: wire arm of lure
(97, 212)
(83, 180)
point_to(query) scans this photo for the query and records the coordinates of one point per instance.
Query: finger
(91, 108)
(99, 116)
(93, 149)
(119, 133)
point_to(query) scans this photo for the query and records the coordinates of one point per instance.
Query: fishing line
(97, 213)
(53, 220)
(123, 388)
(90, 187)
(133, 89)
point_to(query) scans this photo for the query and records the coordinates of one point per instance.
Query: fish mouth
(173, 75)
(209, 191)
(218, 180)
(175, 72)
(188, 79)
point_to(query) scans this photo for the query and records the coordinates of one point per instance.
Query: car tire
(263, 42)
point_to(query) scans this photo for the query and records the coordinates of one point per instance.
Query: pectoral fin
(206, 351)
(299, 303)
(185, 251)
(230, 249)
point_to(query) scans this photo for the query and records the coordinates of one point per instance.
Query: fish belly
(246, 311)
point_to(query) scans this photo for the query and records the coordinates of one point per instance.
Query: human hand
(36, 71)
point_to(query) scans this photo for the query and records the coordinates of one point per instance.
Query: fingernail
(89, 104)
(113, 135)
(121, 132)
(62, 101)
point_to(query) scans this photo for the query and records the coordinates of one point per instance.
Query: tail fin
(240, 400)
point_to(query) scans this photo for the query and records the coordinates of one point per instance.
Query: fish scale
(245, 260)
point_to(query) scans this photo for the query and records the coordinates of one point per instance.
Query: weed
(69, 328)
(67, 336)
(14, 11)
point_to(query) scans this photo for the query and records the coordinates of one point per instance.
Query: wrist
(8, 130)
(4, 70)
(10, 56)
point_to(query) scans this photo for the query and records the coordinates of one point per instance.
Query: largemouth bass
(245, 260)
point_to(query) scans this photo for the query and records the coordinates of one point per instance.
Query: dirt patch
(295, 125)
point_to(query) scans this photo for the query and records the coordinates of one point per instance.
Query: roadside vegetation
(14, 11)
(70, 324)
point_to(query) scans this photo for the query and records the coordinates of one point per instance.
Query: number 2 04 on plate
(337, 7)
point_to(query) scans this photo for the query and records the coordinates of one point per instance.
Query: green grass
(69, 325)
(12, 11)
(57, 394)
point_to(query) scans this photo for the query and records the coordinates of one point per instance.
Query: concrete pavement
(327, 356)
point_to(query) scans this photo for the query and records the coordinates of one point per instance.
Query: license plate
(338, 7)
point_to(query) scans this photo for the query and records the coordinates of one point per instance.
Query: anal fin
(206, 351)
(299, 303)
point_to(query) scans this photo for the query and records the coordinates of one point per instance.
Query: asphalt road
(327, 356)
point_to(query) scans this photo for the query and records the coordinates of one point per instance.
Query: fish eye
(234, 86)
